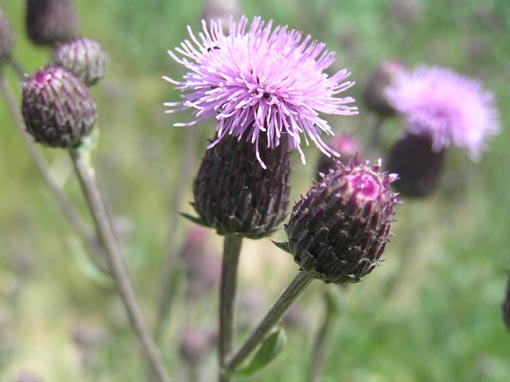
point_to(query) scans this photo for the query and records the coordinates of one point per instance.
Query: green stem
(228, 289)
(66, 207)
(276, 312)
(118, 269)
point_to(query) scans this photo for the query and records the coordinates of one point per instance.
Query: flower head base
(447, 107)
(259, 81)
(338, 230)
(57, 108)
(418, 166)
(236, 196)
(83, 57)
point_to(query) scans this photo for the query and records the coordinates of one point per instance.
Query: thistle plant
(436, 118)
(59, 111)
(264, 88)
(336, 233)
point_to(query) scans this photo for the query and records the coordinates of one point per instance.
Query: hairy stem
(118, 269)
(228, 288)
(276, 312)
(66, 207)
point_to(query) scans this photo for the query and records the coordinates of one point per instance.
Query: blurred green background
(430, 313)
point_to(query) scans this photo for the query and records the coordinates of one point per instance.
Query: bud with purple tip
(6, 37)
(49, 22)
(418, 166)
(235, 195)
(83, 57)
(57, 108)
(339, 229)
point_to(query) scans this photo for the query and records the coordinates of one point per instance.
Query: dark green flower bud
(419, 167)
(49, 22)
(339, 229)
(57, 108)
(82, 57)
(235, 195)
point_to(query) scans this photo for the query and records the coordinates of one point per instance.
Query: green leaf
(193, 219)
(88, 267)
(268, 351)
(283, 245)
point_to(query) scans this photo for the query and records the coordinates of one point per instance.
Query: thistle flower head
(449, 108)
(57, 108)
(83, 57)
(6, 37)
(260, 81)
(338, 230)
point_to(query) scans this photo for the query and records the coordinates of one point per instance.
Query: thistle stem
(168, 273)
(118, 268)
(228, 288)
(276, 312)
(320, 343)
(66, 207)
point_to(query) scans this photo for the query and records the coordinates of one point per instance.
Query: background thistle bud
(6, 37)
(57, 108)
(49, 22)
(235, 195)
(419, 167)
(83, 57)
(338, 230)
(505, 306)
(345, 145)
(374, 94)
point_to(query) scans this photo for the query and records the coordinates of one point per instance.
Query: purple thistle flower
(257, 80)
(447, 107)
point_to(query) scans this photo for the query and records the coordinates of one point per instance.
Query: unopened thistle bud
(374, 94)
(235, 195)
(505, 306)
(6, 37)
(339, 229)
(49, 22)
(345, 145)
(82, 57)
(419, 167)
(57, 108)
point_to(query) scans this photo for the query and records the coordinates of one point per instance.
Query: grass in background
(431, 313)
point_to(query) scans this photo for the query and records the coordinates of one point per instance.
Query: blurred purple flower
(256, 80)
(449, 108)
